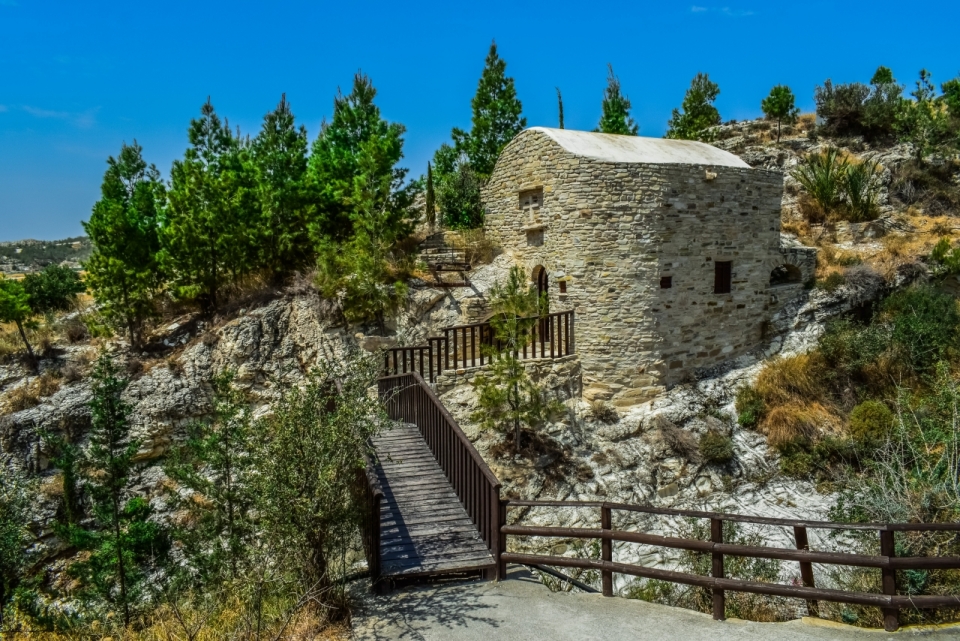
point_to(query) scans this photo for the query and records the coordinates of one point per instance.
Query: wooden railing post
(501, 540)
(891, 616)
(806, 568)
(606, 549)
(719, 599)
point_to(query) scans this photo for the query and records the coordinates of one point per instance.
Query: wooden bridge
(434, 508)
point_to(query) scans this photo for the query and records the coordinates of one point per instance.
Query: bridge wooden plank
(424, 529)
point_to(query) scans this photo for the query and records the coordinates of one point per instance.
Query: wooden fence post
(806, 568)
(606, 549)
(501, 522)
(719, 600)
(891, 616)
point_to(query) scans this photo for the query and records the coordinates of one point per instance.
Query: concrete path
(522, 608)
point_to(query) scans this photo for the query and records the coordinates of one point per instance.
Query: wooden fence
(889, 601)
(408, 398)
(463, 346)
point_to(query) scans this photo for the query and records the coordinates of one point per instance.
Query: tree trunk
(23, 335)
(122, 577)
(516, 418)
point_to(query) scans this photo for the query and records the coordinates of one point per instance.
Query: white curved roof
(616, 148)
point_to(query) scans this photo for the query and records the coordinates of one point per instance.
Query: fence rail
(462, 346)
(890, 602)
(408, 398)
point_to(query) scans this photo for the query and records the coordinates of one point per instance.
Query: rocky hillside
(649, 453)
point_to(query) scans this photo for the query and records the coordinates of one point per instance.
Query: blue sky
(78, 78)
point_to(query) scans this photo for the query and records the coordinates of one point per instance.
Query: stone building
(669, 251)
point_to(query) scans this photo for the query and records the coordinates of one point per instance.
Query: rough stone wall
(610, 231)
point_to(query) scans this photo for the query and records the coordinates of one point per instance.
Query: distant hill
(33, 255)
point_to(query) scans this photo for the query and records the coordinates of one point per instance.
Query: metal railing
(462, 346)
(889, 601)
(408, 398)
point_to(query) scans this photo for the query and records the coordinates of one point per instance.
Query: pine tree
(779, 106)
(123, 273)
(615, 118)
(430, 204)
(207, 236)
(699, 114)
(560, 107)
(15, 308)
(216, 464)
(922, 121)
(507, 397)
(278, 158)
(496, 117)
(124, 540)
(367, 273)
(356, 135)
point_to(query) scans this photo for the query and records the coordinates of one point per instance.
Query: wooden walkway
(424, 529)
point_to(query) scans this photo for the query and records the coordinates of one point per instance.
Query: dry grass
(792, 379)
(680, 441)
(807, 122)
(603, 411)
(167, 623)
(796, 422)
(29, 394)
(479, 249)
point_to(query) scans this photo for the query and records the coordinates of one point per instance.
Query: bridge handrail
(887, 561)
(408, 398)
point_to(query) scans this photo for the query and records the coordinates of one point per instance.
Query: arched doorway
(543, 282)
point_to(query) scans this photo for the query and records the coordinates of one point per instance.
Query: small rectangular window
(563, 287)
(666, 282)
(722, 276)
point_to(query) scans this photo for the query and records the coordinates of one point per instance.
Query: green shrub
(716, 447)
(849, 347)
(750, 406)
(841, 107)
(924, 325)
(832, 282)
(870, 423)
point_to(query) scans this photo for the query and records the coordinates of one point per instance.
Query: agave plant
(823, 176)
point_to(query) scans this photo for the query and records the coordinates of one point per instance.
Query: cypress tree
(207, 235)
(615, 117)
(560, 106)
(278, 158)
(431, 199)
(496, 117)
(123, 273)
